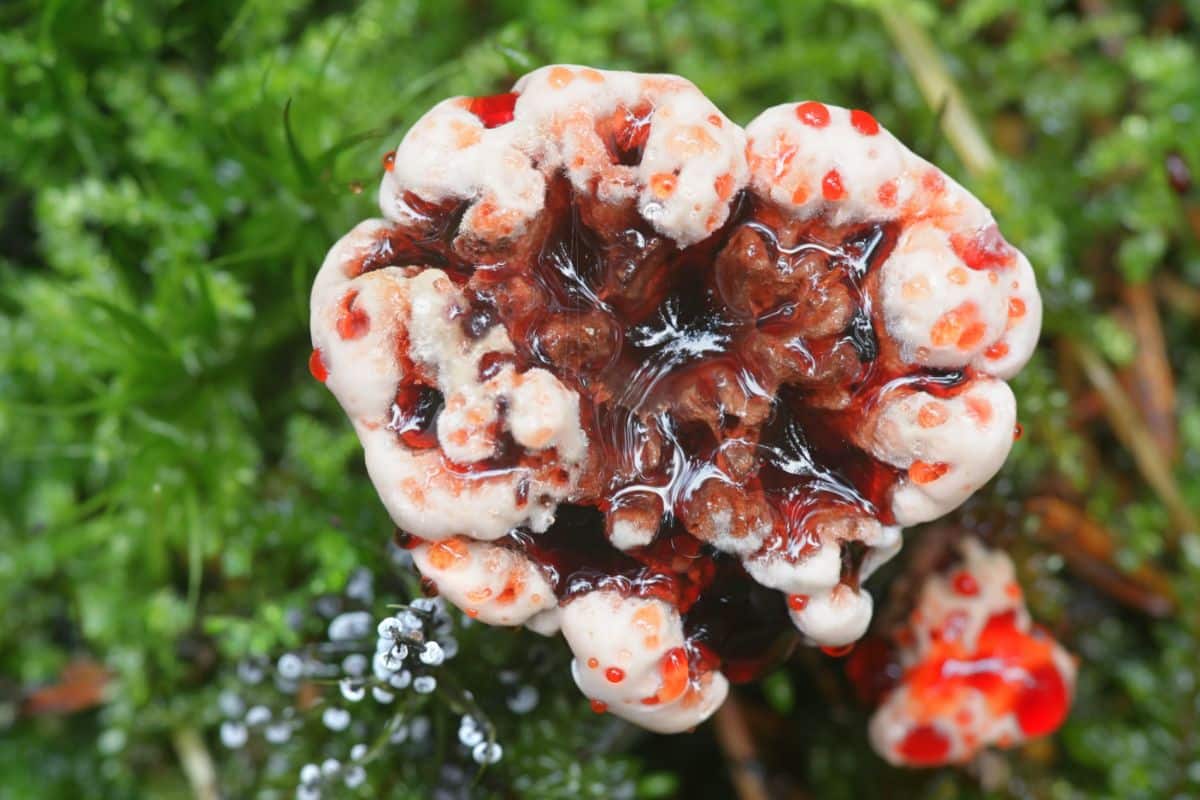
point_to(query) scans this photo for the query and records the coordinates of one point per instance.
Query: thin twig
(745, 769)
(197, 763)
(1153, 383)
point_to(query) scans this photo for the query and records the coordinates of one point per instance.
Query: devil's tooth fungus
(623, 368)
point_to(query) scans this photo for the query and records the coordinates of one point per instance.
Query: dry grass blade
(737, 742)
(1089, 549)
(1153, 382)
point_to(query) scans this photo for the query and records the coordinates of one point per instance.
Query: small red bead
(494, 110)
(1018, 431)
(316, 365)
(863, 122)
(965, 584)
(797, 602)
(599, 706)
(831, 186)
(838, 652)
(614, 674)
(813, 113)
(389, 161)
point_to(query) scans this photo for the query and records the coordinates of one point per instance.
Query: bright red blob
(924, 746)
(838, 652)
(1018, 431)
(352, 322)
(316, 365)
(831, 186)
(414, 416)
(797, 602)
(389, 161)
(863, 122)
(965, 584)
(614, 674)
(813, 113)
(986, 249)
(599, 706)
(494, 110)
(1043, 706)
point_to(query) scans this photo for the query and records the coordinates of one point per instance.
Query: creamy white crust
(494, 584)
(692, 149)
(623, 648)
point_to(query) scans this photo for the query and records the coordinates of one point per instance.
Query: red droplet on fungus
(316, 366)
(863, 122)
(614, 674)
(831, 186)
(924, 746)
(813, 113)
(965, 584)
(494, 110)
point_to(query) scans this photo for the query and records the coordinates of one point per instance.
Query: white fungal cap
(494, 584)
(950, 447)
(360, 323)
(691, 164)
(630, 657)
(978, 672)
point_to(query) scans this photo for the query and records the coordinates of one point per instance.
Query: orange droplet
(797, 602)
(724, 186)
(958, 275)
(932, 414)
(599, 706)
(593, 662)
(1018, 431)
(389, 161)
(316, 365)
(800, 196)
(447, 553)
(715, 121)
(352, 322)
(887, 193)
(1016, 307)
(925, 472)
(614, 674)
(674, 671)
(831, 186)
(560, 77)
(933, 181)
(662, 184)
(979, 408)
(996, 351)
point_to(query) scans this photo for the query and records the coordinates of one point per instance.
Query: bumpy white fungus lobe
(977, 671)
(494, 584)
(597, 291)
(630, 657)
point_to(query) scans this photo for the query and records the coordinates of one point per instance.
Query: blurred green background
(178, 498)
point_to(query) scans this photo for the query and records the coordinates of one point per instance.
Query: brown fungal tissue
(624, 368)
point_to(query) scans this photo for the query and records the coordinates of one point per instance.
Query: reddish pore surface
(730, 373)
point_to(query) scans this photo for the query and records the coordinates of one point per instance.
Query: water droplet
(419, 728)
(352, 690)
(278, 733)
(450, 647)
(358, 752)
(310, 773)
(487, 753)
(233, 734)
(388, 628)
(401, 680)
(330, 766)
(360, 586)
(355, 664)
(250, 673)
(336, 719)
(470, 736)
(258, 715)
(424, 684)
(308, 793)
(290, 666)
(382, 695)
(524, 701)
(432, 654)
(230, 703)
(354, 776)
(426, 604)
(399, 735)
(350, 625)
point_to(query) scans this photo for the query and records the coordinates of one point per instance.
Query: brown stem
(741, 756)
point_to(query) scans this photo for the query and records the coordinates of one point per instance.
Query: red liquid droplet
(494, 110)
(1042, 707)
(1018, 431)
(838, 652)
(831, 186)
(813, 113)
(614, 674)
(924, 746)
(317, 366)
(414, 416)
(797, 602)
(965, 584)
(599, 706)
(863, 122)
(389, 161)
